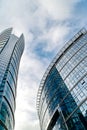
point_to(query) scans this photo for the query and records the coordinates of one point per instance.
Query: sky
(47, 25)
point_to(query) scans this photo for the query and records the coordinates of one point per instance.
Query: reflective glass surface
(11, 50)
(65, 90)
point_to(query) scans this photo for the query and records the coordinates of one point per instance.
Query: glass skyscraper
(11, 49)
(62, 95)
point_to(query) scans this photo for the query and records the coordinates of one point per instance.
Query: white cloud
(54, 37)
(30, 73)
(32, 17)
(57, 9)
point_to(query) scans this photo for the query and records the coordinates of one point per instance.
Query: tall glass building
(62, 95)
(11, 49)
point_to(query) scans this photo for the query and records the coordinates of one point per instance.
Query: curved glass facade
(11, 49)
(62, 95)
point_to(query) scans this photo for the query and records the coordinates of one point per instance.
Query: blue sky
(47, 25)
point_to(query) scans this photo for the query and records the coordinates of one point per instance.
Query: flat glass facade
(11, 49)
(62, 96)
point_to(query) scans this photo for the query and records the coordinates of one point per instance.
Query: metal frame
(54, 61)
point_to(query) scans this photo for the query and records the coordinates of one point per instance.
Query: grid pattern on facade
(64, 88)
(10, 55)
